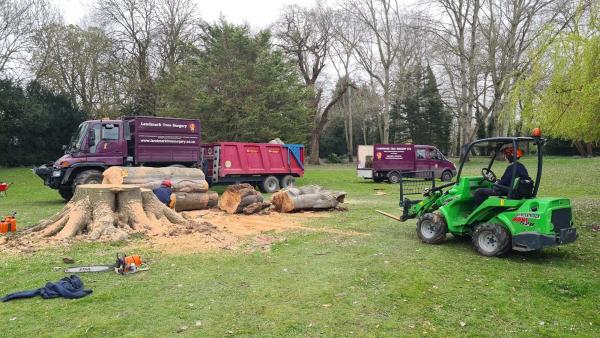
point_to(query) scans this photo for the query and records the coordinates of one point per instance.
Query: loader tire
(491, 240)
(431, 228)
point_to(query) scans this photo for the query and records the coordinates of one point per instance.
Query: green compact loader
(517, 219)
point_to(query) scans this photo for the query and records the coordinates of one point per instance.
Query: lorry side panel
(163, 140)
(388, 157)
(234, 159)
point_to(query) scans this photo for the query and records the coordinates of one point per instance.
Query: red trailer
(270, 166)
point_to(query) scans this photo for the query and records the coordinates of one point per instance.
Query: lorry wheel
(287, 181)
(491, 240)
(88, 177)
(431, 228)
(447, 176)
(269, 185)
(394, 177)
(66, 193)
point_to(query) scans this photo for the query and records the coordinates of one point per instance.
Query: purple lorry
(389, 161)
(130, 141)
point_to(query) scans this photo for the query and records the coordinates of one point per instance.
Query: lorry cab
(130, 141)
(388, 162)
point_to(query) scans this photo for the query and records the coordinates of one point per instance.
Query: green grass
(385, 284)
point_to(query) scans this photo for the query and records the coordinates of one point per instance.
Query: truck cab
(132, 141)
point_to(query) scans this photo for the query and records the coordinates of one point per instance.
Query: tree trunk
(183, 201)
(350, 142)
(241, 198)
(315, 140)
(106, 211)
(580, 148)
(590, 150)
(311, 197)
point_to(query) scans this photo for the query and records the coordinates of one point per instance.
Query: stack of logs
(190, 189)
(242, 198)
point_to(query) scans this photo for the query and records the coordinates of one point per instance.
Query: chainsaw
(124, 265)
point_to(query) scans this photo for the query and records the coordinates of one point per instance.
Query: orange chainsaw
(124, 265)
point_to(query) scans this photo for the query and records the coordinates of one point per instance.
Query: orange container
(9, 224)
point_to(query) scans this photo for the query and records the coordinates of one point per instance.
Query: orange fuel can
(8, 224)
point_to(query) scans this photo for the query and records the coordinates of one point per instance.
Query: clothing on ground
(69, 287)
(163, 194)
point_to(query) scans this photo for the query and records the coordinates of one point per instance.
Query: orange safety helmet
(510, 152)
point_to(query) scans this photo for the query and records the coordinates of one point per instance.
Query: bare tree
(176, 30)
(346, 35)
(132, 24)
(305, 35)
(19, 21)
(383, 27)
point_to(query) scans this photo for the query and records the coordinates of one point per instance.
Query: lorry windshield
(78, 137)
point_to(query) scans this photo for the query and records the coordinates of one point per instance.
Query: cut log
(108, 211)
(255, 207)
(237, 197)
(311, 197)
(182, 201)
(182, 179)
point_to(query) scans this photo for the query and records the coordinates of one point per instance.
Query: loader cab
(519, 188)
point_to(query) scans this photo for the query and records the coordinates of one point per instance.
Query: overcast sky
(258, 13)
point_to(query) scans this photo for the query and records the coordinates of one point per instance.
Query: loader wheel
(431, 228)
(269, 185)
(447, 176)
(491, 240)
(87, 177)
(287, 181)
(66, 193)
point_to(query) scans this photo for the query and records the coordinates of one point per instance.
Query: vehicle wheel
(270, 184)
(394, 177)
(491, 240)
(447, 176)
(88, 177)
(287, 181)
(431, 228)
(66, 193)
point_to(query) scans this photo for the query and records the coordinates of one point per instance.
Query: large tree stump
(238, 197)
(183, 179)
(182, 201)
(106, 211)
(311, 197)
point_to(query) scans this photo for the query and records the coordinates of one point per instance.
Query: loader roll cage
(501, 142)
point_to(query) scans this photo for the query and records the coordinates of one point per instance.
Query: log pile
(310, 197)
(111, 212)
(242, 198)
(190, 188)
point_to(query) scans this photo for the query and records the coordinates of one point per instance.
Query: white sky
(258, 13)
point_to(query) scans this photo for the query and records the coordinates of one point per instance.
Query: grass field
(387, 283)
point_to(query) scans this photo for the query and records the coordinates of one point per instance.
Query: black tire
(394, 177)
(491, 240)
(87, 177)
(431, 228)
(66, 193)
(447, 176)
(269, 184)
(287, 181)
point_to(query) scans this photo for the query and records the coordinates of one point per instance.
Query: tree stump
(237, 197)
(107, 211)
(311, 197)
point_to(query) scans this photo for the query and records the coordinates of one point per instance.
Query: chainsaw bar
(94, 268)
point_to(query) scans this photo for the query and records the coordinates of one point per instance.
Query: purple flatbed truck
(382, 162)
(130, 141)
